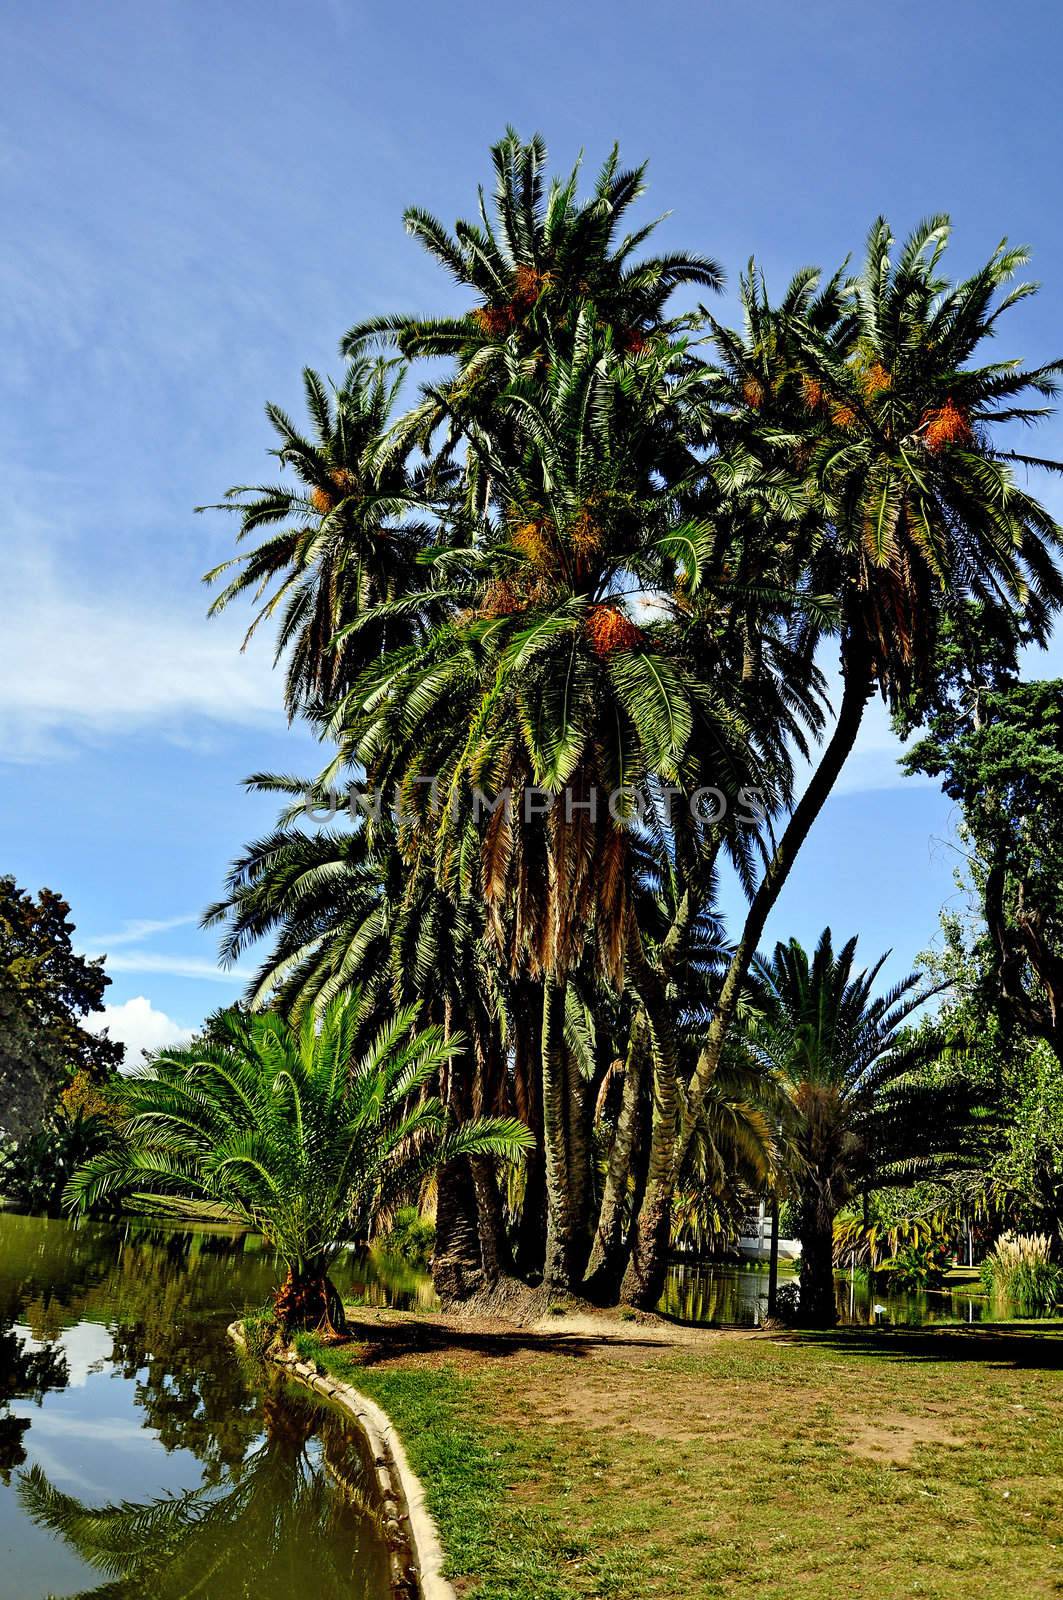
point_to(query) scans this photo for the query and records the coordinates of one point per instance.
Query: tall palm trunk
(557, 1266)
(651, 1237)
(527, 1091)
(818, 1308)
(606, 1264)
(644, 1279)
(579, 1165)
(495, 1256)
(489, 1097)
(457, 1266)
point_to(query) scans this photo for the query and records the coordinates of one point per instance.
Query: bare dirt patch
(892, 1438)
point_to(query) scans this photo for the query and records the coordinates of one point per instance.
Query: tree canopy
(46, 992)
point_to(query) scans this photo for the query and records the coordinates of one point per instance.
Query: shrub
(1019, 1269)
(920, 1264)
(411, 1237)
(34, 1172)
(260, 1330)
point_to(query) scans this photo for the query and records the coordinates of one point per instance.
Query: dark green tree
(1001, 760)
(46, 991)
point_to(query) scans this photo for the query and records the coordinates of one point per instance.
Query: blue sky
(199, 199)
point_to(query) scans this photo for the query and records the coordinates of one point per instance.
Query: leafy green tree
(1020, 1183)
(860, 1111)
(1002, 761)
(46, 990)
(35, 1171)
(281, 1130)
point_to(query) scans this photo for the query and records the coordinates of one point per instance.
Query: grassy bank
(895, 1465)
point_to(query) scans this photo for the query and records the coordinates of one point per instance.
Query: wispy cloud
(173, 966)
(142, 928)
(77, 662)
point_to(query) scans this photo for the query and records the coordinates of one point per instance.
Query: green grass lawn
(888, 1465)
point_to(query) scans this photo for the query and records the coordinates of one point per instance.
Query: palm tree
(348, 539)
(328, 898)
(859, 1110)
(544, 688)
(546, 260)
(280, 1129)
(914, 512)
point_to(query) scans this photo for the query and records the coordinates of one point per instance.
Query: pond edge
(398, 1483)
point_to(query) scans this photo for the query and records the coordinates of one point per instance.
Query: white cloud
(139, 1027)
(173, 966)
(78, 663)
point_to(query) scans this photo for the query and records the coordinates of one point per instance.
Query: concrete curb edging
(406, 1514)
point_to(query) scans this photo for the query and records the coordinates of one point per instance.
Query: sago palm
(282, 1130)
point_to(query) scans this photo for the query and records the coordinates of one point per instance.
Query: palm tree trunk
(817, 1308)
(490, 1097)
(579, 1166)
(556, 1268)
(644, 1280)
(606, 1265)
(308, 1299)
(773, 1258)
(527, 1089)
(495, 1256)
(457, 1269)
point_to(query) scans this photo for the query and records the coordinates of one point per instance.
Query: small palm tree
(282, 1130)
(859, 1111)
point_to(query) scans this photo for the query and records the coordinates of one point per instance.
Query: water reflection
(30, 1373)
(125, 1409)
(737, 1295)
(277, 1526)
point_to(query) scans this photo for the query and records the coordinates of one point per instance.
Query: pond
(738, 1294)
(119, 1389)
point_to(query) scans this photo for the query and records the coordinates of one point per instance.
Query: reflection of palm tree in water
(277, 1527)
